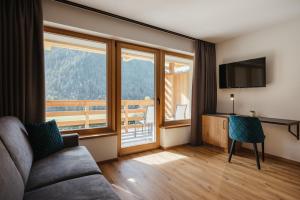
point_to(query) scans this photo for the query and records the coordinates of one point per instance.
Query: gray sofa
(70, 174)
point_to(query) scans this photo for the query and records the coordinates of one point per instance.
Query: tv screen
(243, 74)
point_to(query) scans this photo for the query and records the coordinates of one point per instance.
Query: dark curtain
(22, 87)
(204, 92)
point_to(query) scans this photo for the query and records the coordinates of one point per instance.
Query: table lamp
(232, 99)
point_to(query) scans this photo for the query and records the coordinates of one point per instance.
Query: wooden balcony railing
(86, 112)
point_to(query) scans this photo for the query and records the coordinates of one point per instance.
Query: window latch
(158, 101)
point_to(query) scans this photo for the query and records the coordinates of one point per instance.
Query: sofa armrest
(70, 140)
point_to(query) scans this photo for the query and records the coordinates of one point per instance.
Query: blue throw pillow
(45, 139)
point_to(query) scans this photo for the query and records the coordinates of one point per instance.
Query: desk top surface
(264, 119)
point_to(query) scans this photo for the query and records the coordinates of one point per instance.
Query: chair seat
(66, 164)
(93, 187)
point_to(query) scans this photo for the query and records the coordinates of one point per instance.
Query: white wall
(69, 17)
(175, 136)
(281, 98)
(102, 148)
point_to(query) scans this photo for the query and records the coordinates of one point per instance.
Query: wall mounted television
(243, 74)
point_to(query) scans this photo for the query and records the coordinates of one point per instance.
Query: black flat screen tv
(243, 74)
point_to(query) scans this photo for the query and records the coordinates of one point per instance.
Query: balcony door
(137, 98)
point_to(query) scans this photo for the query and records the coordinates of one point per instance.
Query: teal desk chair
(246, 129)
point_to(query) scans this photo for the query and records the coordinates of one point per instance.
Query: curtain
(204, 91)
(22, 87)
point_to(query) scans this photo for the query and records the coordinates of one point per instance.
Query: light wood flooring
(201, 173)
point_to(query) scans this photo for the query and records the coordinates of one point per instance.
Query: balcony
(137, 125)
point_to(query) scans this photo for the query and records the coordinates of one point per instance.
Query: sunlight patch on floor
(159, 158)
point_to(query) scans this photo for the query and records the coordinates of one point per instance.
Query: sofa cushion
(11, 182)
(14, 137)
(93, 187)
(44, 138)
(66, 164)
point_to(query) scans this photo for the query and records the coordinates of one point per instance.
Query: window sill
(175, 126)
(91, 136)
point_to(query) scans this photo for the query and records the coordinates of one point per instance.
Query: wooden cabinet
(215, 131)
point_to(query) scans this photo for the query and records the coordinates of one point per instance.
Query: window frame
(171, 123)
(110, 81)
(111, 58)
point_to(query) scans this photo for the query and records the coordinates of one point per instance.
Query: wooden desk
(284, 122)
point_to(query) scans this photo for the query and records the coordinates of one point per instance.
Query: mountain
(77, 75)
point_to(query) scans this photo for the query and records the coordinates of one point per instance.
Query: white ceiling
(211, 20)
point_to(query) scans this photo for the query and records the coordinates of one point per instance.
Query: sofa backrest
(13, 135)
(11, 182)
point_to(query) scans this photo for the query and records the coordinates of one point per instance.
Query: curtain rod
(124, 18)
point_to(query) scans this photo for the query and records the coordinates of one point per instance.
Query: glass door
(137, 92)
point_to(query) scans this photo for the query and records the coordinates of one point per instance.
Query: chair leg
(231, 149)
(257, 155)
(263, 151)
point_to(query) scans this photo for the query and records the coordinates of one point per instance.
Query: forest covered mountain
(77, 75)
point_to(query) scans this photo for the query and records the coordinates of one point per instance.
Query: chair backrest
(149, 115)
(245, 129)
(180, 112)
(14, 137)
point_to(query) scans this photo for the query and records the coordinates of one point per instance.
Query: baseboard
(109, 160)
(243, 149)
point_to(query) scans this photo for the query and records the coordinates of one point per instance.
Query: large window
(85, 91)
(178, 71)
(77, 86)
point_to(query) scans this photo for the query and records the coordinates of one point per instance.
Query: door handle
(158, 101)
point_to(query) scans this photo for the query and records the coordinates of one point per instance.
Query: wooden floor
(201, 173)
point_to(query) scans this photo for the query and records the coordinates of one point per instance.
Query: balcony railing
(88, 113)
